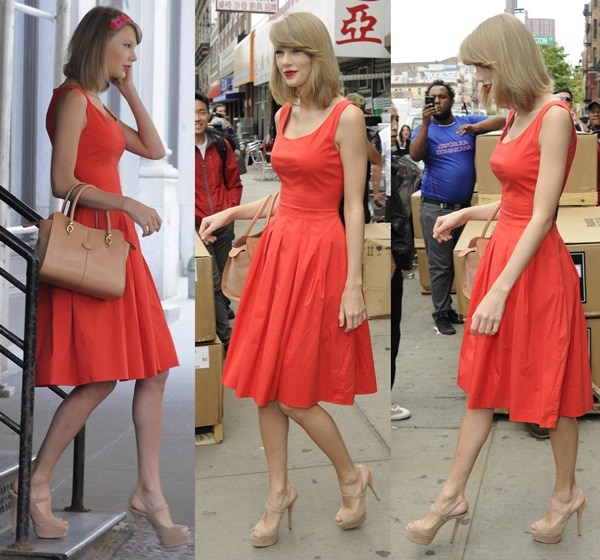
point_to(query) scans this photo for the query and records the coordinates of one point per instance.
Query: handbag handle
(73, 205)
(492, 215)
(268, 203)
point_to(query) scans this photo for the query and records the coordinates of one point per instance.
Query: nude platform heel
(45, 527)
(359, 516)
(263, 537)
(553, 534)
(424, 536)
(169, 536)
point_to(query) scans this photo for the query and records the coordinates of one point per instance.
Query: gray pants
(439, 257)
(220, 250)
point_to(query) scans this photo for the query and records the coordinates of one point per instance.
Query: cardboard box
(580, 229)
(415, 202)
(423, 268)
(377, 269)
(580, 189)
(204, 294)
(209, 389)
(593, 330)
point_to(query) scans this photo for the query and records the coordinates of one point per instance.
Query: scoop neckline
(503, 135)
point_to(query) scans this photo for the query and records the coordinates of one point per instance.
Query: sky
(435, 33)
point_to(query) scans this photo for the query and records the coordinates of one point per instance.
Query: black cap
(594, 102)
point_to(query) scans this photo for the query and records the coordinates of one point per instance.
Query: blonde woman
(525, 345)
(88, 343)
(301, 334)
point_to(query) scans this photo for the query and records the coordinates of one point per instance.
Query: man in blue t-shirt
(446, 144)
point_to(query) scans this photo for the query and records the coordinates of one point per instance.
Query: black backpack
(219, 139)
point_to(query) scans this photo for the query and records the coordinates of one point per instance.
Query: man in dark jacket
(218, 186)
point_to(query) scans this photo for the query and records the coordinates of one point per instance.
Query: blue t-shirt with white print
(449, 161)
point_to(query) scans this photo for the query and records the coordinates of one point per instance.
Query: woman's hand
(487, 316)
(353, 311)
(124, 84)
(442, 230)
(212, 223)
(145, 216)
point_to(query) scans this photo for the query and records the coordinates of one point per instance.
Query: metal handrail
(27, 363)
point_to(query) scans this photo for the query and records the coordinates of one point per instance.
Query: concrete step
(87, 535)
(90, 533)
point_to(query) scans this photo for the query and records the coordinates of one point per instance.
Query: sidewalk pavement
(231, 477)
(111, 463)
(513, 477)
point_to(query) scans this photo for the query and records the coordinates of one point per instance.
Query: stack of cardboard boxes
(578, 222)
(208, 354)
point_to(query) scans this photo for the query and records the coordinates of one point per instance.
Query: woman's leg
(322, 429)
(274, 428)
(147, 412)
(147, 499)
(474, 430)
(565, 495)
(68, 419)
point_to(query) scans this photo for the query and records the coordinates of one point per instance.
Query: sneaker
(399, 413)
(454, 318)
(442, 324)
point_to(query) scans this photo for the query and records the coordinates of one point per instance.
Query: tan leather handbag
(473, 253)
(80, 258)
(240, 256)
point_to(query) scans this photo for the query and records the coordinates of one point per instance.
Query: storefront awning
(230, 96)
(214, 91)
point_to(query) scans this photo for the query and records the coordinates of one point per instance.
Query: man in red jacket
(218, 186)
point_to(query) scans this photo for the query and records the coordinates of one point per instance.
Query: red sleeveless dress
(286, 344)
(537, 365)
(81, 339)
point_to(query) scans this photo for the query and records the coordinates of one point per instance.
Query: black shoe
(230, 313)
(454, 318)
(536, 431)
(442, 324)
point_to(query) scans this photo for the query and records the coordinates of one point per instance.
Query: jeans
(439, 257)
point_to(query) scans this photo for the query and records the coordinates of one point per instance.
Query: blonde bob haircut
(87, 61)
(506, 47)
(305, 31)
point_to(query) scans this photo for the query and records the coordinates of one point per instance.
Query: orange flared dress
(81, 339)
(537, 365)
(286, 343)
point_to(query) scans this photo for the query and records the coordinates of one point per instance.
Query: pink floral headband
(117, 22)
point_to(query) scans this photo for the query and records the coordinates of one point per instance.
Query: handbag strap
(73, 205)
(268, 203)
(492, 215)
(68, 196)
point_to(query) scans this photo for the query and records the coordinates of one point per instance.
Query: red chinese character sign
(361, 26)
